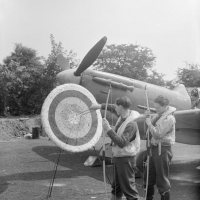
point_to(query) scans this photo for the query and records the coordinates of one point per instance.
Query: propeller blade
(91, 56)
(63, 62)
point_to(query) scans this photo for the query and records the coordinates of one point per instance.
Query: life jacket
(169, 138)
(195, 101)
(196, 104)
(134, 146)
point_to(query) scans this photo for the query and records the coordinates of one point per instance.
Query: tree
(51, 66)
(26, 79)
(133, 61)
(3, 89)
(190, 75)
(20, 81)
(156, 78)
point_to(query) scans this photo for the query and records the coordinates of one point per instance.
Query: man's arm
(128, 135)
(110, 107)
(141, 117)
(159, 131)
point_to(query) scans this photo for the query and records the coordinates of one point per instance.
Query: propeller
(91, 56)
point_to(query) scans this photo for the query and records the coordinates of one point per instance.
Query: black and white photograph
(99, 100)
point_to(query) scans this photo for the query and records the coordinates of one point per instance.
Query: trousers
(159, 170)
(124, 169)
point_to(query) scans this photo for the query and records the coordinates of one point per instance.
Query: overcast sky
(170, 28)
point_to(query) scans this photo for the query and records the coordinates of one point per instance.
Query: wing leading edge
(188, 126)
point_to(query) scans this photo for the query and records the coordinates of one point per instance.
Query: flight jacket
(164, 129)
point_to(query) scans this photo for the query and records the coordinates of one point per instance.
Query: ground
(27, 169)
(17, 127)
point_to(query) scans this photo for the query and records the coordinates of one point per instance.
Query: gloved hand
(147, 113)
(106, 125)
(148, 121)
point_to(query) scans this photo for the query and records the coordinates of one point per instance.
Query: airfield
(27, 169)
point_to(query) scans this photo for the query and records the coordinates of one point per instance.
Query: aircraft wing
(188, 126)
(188, 118)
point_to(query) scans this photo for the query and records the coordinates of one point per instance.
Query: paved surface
(27, 168)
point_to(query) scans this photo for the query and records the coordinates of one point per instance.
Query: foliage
(26, 79)
(131, 61)
(190, 75)
(20, 81)
(3, 90)
(51, 67)
(156, 78)
(171, 84)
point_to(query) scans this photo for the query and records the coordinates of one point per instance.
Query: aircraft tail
(181, 89)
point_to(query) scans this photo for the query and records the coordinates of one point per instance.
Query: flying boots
(165, 195)
(115, 198)
(150, 192)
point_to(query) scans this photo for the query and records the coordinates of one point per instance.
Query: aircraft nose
(67, 76)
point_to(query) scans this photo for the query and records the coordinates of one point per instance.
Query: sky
(170, 28)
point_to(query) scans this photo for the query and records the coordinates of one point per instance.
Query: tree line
(26, 79)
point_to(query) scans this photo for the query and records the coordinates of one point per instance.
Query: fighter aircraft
(98, 83)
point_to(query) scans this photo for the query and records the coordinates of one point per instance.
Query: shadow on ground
(70, 165)
(73, 163)
(29, 168)
(3, 186)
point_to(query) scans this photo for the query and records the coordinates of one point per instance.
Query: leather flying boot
(165, 195)
(113, 197)
(150, 192)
